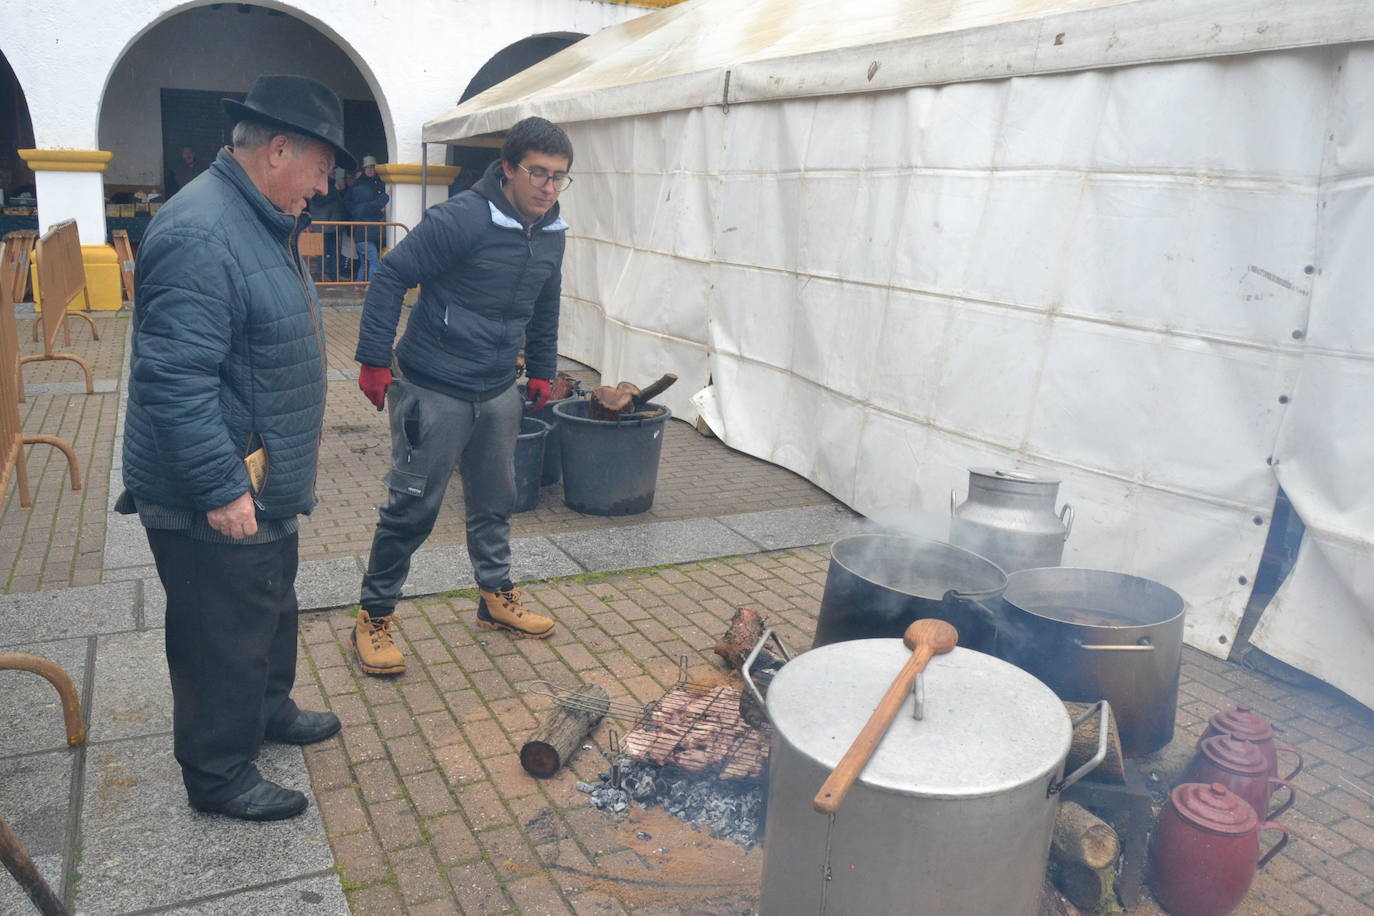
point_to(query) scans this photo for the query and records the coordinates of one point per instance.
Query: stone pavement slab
(35, 795)
(143, 847)
(132, 694)
(652, 544)
(778, 529)
(31, 715)
(314, 896)
(95, 609)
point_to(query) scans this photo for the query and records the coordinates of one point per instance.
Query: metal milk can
(1009, 518)
(953, 813)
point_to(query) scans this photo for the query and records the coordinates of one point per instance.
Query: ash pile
(726, 809)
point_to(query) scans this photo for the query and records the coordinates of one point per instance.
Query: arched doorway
(507, 62)
(165, 91)
(16, 133)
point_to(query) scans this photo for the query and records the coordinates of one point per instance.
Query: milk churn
(1009, 518)
(952, 814)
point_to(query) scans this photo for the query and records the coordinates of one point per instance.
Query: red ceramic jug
(1241, 767)
(1245, 724)
(1205, 851)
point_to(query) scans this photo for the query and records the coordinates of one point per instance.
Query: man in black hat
(226, 402)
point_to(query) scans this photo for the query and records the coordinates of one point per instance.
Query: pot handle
(1292, 797)
(953, 501)
(1106, 711)
(1281, 748)
(1066, 519)
(1143, 645)
(1270, 825)
(754, 654)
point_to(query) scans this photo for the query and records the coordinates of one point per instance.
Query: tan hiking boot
(375, 648)
(502, 610)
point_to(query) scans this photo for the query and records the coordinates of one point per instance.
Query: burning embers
(727, 809)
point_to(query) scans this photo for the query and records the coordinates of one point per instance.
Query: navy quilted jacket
(228, 352)
(487, 285)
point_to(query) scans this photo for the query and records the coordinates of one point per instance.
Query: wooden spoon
(925, 638)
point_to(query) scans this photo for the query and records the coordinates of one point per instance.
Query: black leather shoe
(265, 801)
(307, 728)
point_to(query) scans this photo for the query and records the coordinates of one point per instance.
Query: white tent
(1127, 244)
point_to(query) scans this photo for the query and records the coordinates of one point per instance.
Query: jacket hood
(489, 186)
(227, 169)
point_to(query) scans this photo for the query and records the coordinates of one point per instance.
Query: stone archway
(504, 64)
(164, 90)
(16, 133)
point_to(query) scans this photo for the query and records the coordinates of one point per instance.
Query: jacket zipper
(293, 253)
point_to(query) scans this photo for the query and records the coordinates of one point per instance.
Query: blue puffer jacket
(228, 352)
(487, 285)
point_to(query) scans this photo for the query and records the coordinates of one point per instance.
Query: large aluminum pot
(1091, 634)
(879, 583)
(953, 814)
(1009, 518)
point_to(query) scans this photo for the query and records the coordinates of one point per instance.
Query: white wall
(416, 56)
(220, 50)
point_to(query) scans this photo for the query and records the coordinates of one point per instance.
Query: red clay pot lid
(1243, 723)
(1230, 753)
(1214, 807)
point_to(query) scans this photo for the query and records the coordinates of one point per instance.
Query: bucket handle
(1106, 710)
(1143, 645)
(753, 655)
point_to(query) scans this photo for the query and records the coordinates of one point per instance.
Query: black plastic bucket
(610, 467)
(529, 462)
(553, 448)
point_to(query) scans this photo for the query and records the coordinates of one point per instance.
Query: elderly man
(226, 402)
(488, 262)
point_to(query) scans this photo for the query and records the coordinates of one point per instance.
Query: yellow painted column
(70, 187)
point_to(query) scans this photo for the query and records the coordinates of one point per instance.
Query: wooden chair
(61, 278)
(124, 250)
(14, 269)
(12, 438)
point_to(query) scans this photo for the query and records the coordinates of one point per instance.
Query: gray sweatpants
(431, 434)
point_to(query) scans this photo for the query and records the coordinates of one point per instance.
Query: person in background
(183, 171)
(366, 201)
(489, 263)
(227, 377)
(329, 207)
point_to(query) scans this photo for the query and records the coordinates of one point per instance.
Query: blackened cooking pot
(879, 583)
(1092, 635)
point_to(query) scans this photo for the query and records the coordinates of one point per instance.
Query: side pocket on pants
(406, 482)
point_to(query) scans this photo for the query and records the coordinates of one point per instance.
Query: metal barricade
(335, 250)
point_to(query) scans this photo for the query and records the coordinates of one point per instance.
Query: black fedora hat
(299, 104)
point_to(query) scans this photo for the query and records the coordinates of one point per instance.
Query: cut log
(744, 632)
(567, 726)
(1092, 890)
(1084, 746)
(1082, 838)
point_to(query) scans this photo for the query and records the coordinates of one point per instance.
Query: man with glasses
(488, 262)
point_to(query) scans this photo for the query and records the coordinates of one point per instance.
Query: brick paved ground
(59, 541)
(428, 810)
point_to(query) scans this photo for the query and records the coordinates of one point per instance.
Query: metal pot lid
(1240, 757)
(1215, 808)
(988, 726)
(1243, 723)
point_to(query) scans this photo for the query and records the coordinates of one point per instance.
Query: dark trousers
(231, 651)
(431, 435)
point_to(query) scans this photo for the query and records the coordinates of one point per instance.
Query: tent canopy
(713, 52)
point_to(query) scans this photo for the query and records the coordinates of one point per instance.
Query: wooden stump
(1082, 838)
(1084, 746)
(553, 744)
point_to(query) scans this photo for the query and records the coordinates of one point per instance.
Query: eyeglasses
(540, 178)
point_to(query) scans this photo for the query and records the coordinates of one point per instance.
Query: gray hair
(257, 134)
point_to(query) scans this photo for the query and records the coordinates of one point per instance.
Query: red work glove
(537, 391)
(374, 382)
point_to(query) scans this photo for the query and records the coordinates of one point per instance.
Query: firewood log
(1084, 746)
(554, 743)
(1082, 838)
(1092, 890)
(746, 628)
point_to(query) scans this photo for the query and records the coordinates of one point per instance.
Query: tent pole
(424, 177)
